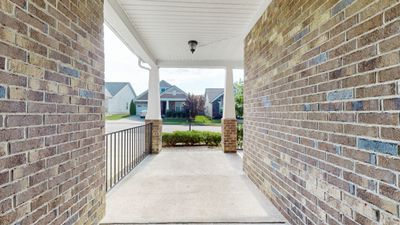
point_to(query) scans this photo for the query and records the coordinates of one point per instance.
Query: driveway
(116, 125)
(122, 124)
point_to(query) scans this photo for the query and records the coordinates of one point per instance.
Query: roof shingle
(213, 93)
(115, 87)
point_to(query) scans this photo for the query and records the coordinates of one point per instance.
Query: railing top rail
(132, 128)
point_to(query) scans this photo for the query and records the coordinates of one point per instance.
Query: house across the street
(118, 97)
(172, 98)
(213, 105)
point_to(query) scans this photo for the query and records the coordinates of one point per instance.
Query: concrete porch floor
(189, 186)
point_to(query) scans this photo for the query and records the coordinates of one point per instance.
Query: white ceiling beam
(210, 64)
(119, 23)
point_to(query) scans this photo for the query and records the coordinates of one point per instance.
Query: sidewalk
(115, 125)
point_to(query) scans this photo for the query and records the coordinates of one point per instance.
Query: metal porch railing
(125, 149)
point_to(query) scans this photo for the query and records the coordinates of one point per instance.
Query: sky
(121, 65)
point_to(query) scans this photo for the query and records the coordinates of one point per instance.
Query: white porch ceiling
(162, 28)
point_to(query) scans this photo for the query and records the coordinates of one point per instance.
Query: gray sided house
(118, 97)
(172, 98)
(213, 105)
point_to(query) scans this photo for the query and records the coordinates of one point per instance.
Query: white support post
(229, 99)
(153, 102)
(229, 115)
(153, 115)
(167, 105)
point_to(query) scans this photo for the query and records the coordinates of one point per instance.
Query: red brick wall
(51, 116)
(322, 104)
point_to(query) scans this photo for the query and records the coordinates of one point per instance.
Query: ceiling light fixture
(193, 45)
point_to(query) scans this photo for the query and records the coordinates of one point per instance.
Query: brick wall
(321, 136)
(51, 115)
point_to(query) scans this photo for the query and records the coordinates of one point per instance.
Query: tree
(194, 105)
(132, 108)
(200, 104)
(239, 98)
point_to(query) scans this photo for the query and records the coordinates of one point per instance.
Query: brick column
(156, 135)
(229, 135)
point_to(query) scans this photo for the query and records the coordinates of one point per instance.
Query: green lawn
(206, 120)
(117, 116)
(174, 121)
(199, 120)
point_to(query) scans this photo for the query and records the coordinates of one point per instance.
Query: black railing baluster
(115, 160)
(120, 142)
(124, 150)
(106, 156)
(136, 141)
(131, 144)
(142, 143)
(119, 155)
(141, 154)
(129, 150)
(123, 154)
(124, 158)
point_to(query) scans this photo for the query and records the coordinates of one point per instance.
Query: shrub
(212, 138)
(179, 114)
(239, 133)
(168, 139)
(169, 113)
(132, 108)
(190, 138)
(173, 114)
(202, 119)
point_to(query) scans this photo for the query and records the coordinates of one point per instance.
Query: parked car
(143, 113)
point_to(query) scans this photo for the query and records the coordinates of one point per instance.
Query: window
(127, 105)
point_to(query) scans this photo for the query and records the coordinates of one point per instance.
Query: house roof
(168, 93)
(173, 93)
(107, 93)
(213, 93)
(143, 97)
(165, 84)
(115, 87)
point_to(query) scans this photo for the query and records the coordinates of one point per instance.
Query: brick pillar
(156, 135)
(229, 135)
